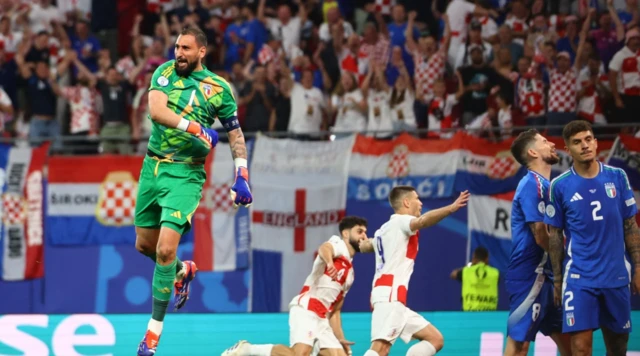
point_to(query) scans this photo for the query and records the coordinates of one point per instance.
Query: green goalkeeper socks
(163, 278)
(178, 262)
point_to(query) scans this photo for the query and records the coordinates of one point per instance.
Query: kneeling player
(530, 289)
(314, 314)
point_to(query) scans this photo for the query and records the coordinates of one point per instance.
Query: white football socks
(423, 348)
(155, 326)
(260, 350)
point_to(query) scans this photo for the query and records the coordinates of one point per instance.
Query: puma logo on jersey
(176, 214)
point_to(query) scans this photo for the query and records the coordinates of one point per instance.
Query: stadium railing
(70, 145)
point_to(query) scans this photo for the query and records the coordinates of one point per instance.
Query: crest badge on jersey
(208, 90)
(551, 211)
(163, 81)
(541, 207)
(610, 188)
(570, 319)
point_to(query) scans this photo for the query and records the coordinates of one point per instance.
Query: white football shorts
(393, 320)
(305, 327)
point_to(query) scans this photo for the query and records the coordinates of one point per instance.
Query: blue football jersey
(527, 258)
(592, 213)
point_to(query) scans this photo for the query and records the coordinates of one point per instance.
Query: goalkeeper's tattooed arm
(237, 144)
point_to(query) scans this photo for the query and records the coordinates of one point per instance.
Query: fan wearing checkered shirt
(184, 100)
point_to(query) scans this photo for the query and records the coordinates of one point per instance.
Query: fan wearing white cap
(624, 77)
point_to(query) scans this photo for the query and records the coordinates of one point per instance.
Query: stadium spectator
(594, 91)
(479, 79)
(285, 26)
(116, 98)
(6, 110)
(440, 109)
(349, 105)
(258, 96)
(41, 15)
(625, 79)
(506, 40)
(474, 39)
(334, 18)
(42, 101)
(378, 93)
(86, 45)
(607, 38)
(402, 100)
(308, 109)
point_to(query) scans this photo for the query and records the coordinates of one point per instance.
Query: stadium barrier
(466, 334)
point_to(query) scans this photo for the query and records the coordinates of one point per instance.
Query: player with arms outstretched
(594, 205)
(314, 314)
(527, 280)
(396, 248)
(184, 100)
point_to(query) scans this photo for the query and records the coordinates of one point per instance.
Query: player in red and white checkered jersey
(624, 71)
(396, 247)
(429, 60)
(314, 314)
(593, 84)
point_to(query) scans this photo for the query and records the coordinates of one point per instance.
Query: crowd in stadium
(305, 66)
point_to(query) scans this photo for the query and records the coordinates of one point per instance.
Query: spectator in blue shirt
(629, 16)
(234, 39)
(256, 33)
(569, 43)
(397, 37)
(86, 45)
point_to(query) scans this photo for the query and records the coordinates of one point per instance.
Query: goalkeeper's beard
(191, 66)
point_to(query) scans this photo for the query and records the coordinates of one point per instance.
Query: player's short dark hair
(521, 144)
(481, 253)
(349, 222)
(397, 194)
(575, 127)
(201, 38)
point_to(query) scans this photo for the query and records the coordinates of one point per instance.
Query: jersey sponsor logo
(551, 211)
(610, 188)
(541, 207)
(571, 321)
(117, 199)
(576, 197)
(627, 325)
(592, 191)
(575, 276)
(176, 214)
(630, 201)
(179, 84)
(163, 81)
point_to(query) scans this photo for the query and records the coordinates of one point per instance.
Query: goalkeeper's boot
(149, 344)
(183, 283)
(241, 348)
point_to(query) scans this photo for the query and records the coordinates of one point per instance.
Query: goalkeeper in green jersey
(184, 100)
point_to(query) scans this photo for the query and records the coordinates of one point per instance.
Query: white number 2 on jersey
(596, 209)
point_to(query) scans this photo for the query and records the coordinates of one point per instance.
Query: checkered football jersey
(563, 91)
(200, 97)
(427, 71)
(320, 294)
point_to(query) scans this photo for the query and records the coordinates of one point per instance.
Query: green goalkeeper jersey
(200, 97)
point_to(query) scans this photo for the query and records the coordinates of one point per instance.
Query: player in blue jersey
(594, 205)
(529, 285)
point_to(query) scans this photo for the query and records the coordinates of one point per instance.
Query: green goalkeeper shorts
(168, 194)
